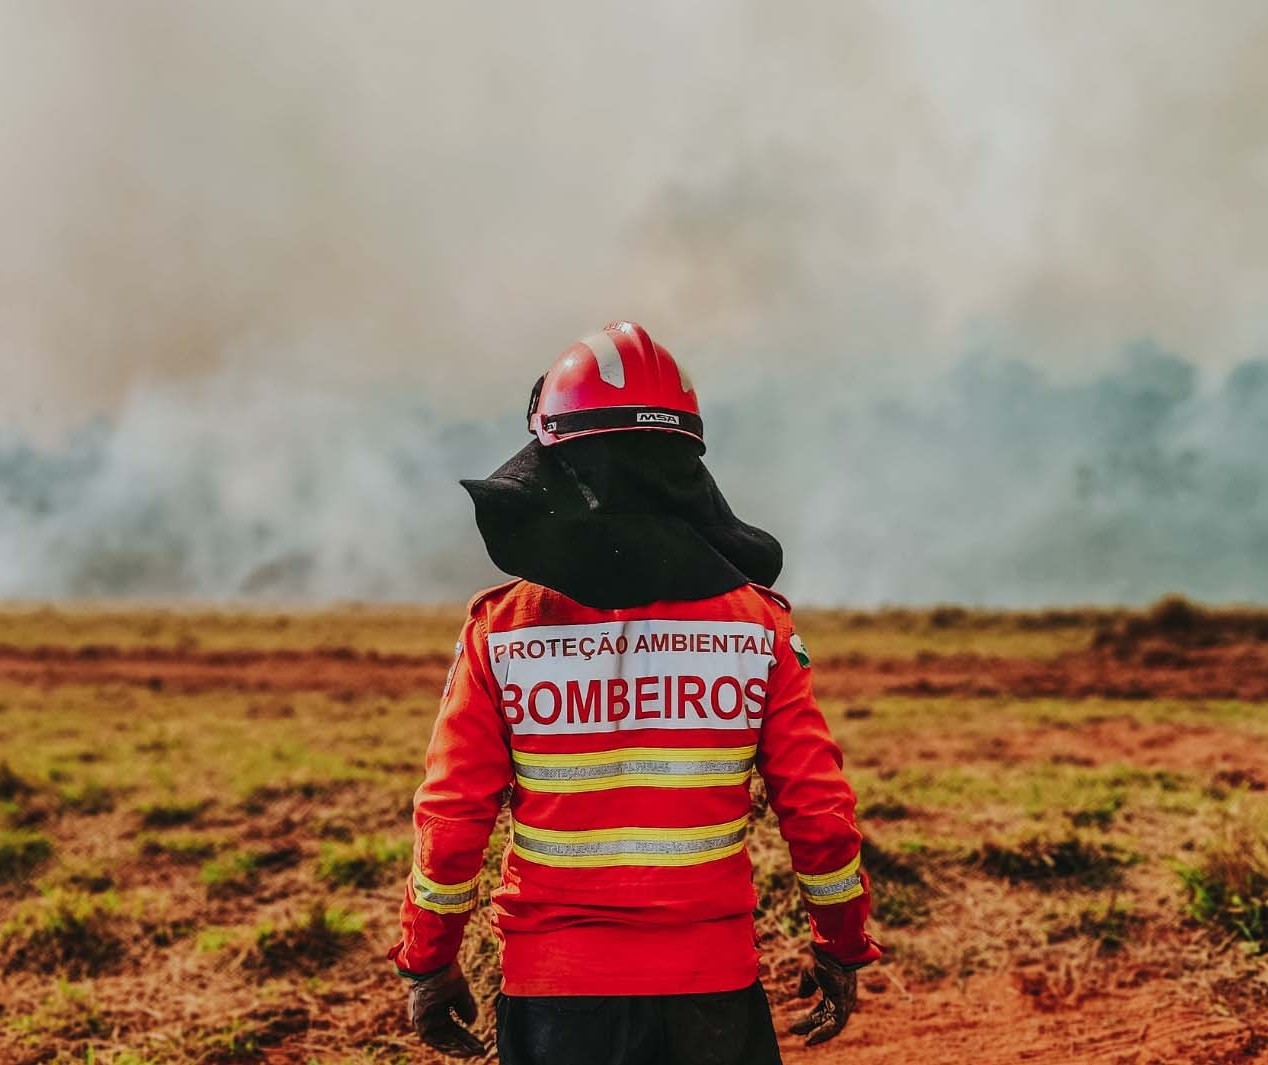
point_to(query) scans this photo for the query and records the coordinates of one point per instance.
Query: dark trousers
(727, 1028)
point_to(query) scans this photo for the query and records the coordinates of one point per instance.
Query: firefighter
(622, 690)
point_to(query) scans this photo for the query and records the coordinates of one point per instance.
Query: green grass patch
(211, 940)
(1049, 861)
(173, 813)
(183, 848)
(13, 786)
(68, 932)
(87, 799)
(367, 862)
(1087, 797)
(901, 894)
(885, 810)
(248, 1038)
(308, 786)
(80, 874)
(21, 853)
(900, 905)
(1110, 922)
(22, 805)
(335, 828)
(901, 633)
(1098, 812)
(68, 1012)
(1228, 887)
(232, 873)
(899, 864)
(159, 918)
(307, 945)
(779, 907)
(979, 718)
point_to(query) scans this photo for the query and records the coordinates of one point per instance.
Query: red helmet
(613, 381)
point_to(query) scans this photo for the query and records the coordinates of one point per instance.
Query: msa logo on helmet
(656, 417)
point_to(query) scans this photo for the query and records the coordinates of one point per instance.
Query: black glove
(839, 985)
(437, 1002)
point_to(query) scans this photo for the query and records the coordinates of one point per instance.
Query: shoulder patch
(489, 593)
(799, 649)
(773, 595)
(457, 657)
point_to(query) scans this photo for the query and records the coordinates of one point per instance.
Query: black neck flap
(619, 520)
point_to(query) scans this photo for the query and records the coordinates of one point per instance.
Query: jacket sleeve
(468, 766)
(801, 765)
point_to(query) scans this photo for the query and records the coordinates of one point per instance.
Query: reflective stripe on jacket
(627, 739)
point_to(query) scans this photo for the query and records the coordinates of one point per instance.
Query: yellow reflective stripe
(424, 903)
(637, 846)
(429, 894)
(444, 889)
(824, 889)
(627, 754)
(816, 879)
(626, 767)
(634, 780)
(852, 892)
(591, 861)
(605, 835)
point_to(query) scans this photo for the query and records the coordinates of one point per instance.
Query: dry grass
(1228, 884)
(214, 875)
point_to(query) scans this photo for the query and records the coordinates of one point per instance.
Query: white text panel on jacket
(569, 679)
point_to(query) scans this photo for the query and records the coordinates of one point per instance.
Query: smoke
(294, 264)
(239, 489)
(441, 198)
(1008, 489)
(999, 487)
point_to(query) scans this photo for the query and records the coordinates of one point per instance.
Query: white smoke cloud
(226, 225)
(999, 487)
(454, 194)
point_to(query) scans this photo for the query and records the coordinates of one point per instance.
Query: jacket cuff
(394, 955)
(857, 958)
(405, 974)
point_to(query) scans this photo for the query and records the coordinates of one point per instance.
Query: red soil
(338, 669)
(1234, 671)
(1142, 1017)
(1004, 1020)
(1207, 751)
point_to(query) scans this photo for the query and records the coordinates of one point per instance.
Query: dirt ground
(204, 833)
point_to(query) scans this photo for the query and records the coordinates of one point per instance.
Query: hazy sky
(442, 196)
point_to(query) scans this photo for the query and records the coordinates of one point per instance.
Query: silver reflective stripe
(443, 898)
(836, 887)
(633, 765)
(826, 889)
(689, 845)
(631, 846)
(608, 356)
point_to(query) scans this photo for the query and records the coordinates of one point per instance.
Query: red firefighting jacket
(627, 739)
